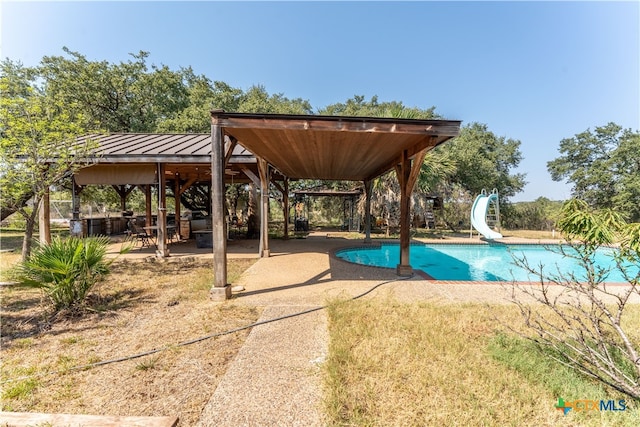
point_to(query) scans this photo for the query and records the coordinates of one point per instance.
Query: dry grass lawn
(426, 364)
(142, 306)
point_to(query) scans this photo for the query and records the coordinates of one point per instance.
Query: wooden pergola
(320, 147)
(263, 149)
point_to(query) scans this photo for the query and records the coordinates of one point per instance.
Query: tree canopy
(135, 96)
(603, 166)
(37, 133)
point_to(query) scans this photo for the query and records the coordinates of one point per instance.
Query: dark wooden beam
(147, 200)
(161, 238)
(123, 192)
(416, 165)
(75, 224)
(336, 123)
(252, 176)
(429, 142)
(176, 195)
(367, 211)
(44, 219)
(263, 169)
(285, 208)
(403, 172)
(184, 187)
(228, 149)
(221, 290)
(284, 190)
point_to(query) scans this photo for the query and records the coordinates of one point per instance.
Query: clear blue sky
(537, 72)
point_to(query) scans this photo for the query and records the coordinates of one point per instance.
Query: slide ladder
(485, 205)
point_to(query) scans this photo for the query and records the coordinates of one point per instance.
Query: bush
(582, 321)
(66, 269)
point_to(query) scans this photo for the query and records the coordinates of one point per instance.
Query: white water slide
(479, 216)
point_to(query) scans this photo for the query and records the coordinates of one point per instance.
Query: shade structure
(328, 148)
(333, 147)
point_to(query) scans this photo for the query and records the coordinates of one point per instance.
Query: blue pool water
(483, 262)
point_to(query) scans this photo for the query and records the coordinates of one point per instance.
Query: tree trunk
(253, 223)
(30, 226)
(6, 211)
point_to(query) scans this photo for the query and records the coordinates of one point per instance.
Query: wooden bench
(24, 419)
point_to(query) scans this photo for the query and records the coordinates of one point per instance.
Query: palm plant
(66, 269)
(385, 198)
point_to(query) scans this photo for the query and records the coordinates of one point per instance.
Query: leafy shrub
(582, 321)
(66, 269)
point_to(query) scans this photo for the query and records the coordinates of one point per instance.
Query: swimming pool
(481, 262)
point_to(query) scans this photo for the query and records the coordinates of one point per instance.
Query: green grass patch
(428, 364)
(537, 366)
(19, 389)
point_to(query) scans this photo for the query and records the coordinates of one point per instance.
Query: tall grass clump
(66, 269)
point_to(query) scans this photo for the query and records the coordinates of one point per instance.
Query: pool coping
(425, 276)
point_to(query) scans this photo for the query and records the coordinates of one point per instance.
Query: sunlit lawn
(430, 364)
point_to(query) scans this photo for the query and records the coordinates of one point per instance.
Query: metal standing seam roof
(299, 146)
(156, 147)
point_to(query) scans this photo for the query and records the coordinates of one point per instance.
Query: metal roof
(158, 147)
(298, 146)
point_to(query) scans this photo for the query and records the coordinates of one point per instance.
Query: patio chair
(140, 234)
(172, 234)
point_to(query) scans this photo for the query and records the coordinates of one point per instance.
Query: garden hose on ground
(200, 339)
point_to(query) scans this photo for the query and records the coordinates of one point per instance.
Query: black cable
(200, 339)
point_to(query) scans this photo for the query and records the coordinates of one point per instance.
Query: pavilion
(269, 148)
(322, 147)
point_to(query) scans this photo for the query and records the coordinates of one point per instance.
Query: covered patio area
(321, 147)
(262, 149)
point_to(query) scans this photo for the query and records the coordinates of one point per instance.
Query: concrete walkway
(276, 377)
(275, 380)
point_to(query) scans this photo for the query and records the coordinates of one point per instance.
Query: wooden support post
(284, 190)
(263, 169)
(123, 198)
(162, 250)
(177, 194)
(402, 172)
(44, 219)
(285, 208)
(75, 224)
(221, 290)
(407, 173)
(147, 203)
(367, 210)
(123, 192)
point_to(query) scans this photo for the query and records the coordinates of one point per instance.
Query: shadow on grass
(25, 318)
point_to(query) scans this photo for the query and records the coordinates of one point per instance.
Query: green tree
(603, 166)
(258, 100)
(540, 214)
(38, 146)
(482, 160)
(124, 97)
(203, 96)
(485, 161)
(358, 106)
